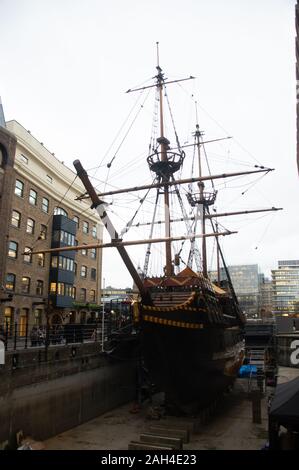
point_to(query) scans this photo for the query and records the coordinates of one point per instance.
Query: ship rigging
(190, 329)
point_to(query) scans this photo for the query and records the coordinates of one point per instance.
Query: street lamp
(103, 316)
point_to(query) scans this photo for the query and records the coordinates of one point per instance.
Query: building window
(39, 287)
(25, 286)
(10, 283)
(62, 262)
(24, 159)
(27, 255)
(60, 211)
(43, 232)
(23, 321)
(75, 269)
(19, 188)
(94, 231)
(93, 253)
(33, 197)
(82, 295)
(74, 293)
(84, 251)
(49, 179)
(92, 295)
(30, 226)
(45, 205)
(68, 290)
(8, 319)
(13, 250)
(16, 219)
(85, 227)
(41, 259)
(93, 274)
(53, 288)
(76, 220)
(60, 288)
(64, 237)
(83, 272)
(38, 316)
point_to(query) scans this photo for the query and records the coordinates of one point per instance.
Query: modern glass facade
(245, 279)
(62, 271)
(285, 281)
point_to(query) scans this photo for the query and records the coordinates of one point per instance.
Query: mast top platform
(165, 167)
(205, 198)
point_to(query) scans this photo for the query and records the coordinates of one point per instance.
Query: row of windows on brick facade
(10, 284)
(13, 249)
(55, 288)
(30, 225)
(61, 288)
(45, 205)
(56, 261)
(30, 228)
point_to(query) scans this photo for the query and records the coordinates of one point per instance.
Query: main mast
(164, 163)
(164, 143)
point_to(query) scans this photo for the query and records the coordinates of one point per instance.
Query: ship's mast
(218, 258)
(201, 188)
(202, 199)
(165, 162)
(165, 177)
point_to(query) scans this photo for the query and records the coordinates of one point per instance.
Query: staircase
(257, 358)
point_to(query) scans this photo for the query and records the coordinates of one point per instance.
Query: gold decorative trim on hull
(173, 309)
(178, 324)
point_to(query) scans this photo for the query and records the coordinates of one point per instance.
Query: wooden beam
(119, 243)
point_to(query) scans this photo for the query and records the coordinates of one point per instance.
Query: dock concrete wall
(46, 394)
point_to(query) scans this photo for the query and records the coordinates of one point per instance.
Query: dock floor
(230, 427)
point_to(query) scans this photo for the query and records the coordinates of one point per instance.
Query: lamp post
(103, 315)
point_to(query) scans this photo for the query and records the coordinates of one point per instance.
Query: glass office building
(285, 281)
(246, 282)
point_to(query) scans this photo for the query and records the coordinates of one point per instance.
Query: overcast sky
(65, 66)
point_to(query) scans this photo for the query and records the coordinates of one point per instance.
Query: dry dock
(230, 427)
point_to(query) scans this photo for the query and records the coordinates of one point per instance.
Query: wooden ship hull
(191, 340)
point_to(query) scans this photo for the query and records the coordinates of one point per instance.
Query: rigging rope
(172, 119)
(148, 251)
(118, 133)
(129, 224)
(189, 228)
(129, 129)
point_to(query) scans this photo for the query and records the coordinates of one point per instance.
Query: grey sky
(65, 65)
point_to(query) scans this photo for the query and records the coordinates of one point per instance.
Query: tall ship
(190, 326)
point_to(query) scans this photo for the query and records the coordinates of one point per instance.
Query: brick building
(38, 210)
